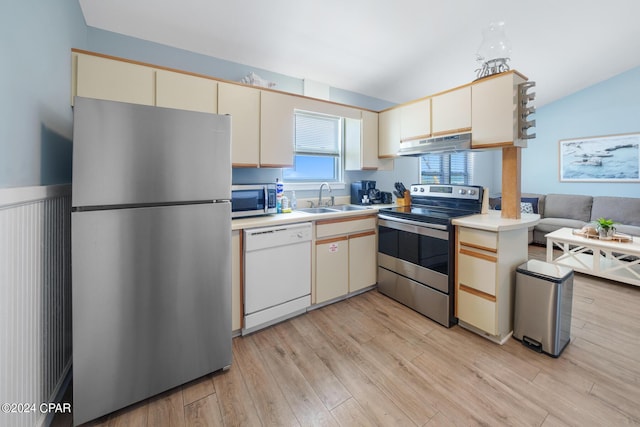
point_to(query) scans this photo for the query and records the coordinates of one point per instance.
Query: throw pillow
(526, 207)
(533, 201)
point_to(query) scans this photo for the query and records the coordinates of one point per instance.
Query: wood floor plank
(235, 402)
(203, 413)
(263, 389)
(167, 408)
(351, 414)
(197, 389)
(306, 405)
(328, 388)
(378, 408)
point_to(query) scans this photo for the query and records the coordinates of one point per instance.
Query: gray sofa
(575, 211)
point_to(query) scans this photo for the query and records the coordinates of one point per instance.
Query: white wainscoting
(35, 297)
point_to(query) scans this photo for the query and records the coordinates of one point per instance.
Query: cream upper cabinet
(361, 142)
(186, 92)
(276, 129)
(104, 78)
(370, 140)
(415, 120)
(494, 110)
(451, 112)
(389, 133)
(243, 104)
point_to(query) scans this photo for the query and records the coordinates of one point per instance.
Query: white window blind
(317, 134)
(455, 168)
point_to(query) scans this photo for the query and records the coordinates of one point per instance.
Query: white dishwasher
(277, 274)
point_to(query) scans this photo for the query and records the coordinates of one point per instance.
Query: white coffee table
(602, 258)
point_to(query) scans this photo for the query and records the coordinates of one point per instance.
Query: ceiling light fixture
(494, 52)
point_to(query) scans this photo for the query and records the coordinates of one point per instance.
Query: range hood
(436, 145)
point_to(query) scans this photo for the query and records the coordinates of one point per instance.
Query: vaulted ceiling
(393, 50)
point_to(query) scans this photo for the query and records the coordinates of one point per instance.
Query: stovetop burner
(438, 204)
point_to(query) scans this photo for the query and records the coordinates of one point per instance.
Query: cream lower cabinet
(345, 257)
(485, 279)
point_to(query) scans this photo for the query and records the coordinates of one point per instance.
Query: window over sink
(318, 142)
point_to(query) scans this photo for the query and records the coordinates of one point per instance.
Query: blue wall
(35, 114)
(609, 107)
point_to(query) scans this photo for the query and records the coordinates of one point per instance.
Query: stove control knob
(422, 189)
(472, 192)
(415, 189)
(462, 191)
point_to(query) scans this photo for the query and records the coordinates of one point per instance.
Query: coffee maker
(365, 193)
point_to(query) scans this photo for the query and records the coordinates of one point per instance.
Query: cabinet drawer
(344, 226)
(482, 239)
(477, 273)
(477, 311)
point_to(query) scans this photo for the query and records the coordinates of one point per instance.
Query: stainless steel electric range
(416, 247)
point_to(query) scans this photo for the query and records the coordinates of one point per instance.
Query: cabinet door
(332, 268)
(477, 272)
(362, 260)
(104, 78)
(477, 311)
(415, 120)
(276, 129)
(186, 92)
(369, 140)
(389, 133)
(353, 143)
(243, 104)
(451, 112)
(494, 112)
(236, 280)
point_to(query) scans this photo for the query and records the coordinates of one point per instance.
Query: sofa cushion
(622, 210)
(628, 229)
(569, 206)
(547, 225)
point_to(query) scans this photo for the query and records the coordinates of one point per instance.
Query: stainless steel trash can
(542, 311)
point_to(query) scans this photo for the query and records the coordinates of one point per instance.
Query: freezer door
(151, 302)
(135, 154)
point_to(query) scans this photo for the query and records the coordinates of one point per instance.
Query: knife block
(404, 201)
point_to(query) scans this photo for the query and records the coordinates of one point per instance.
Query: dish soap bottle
(279, 194)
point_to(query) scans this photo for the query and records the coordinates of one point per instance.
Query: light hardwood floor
(371, 361)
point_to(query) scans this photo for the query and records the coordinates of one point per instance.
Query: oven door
(413, 250)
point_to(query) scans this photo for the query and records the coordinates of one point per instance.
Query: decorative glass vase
(494, 52)
(606, 233)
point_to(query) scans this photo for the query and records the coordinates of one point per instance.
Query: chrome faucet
(320, 193)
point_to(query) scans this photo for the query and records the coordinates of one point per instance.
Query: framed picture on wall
(610, 158)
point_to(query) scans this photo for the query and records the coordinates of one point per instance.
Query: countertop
(493, 221)
(298, 216)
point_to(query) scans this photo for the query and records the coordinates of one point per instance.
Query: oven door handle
(438, 231)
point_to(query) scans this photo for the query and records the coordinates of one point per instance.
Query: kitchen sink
(349, 207)
(329, 209)
(317, 210)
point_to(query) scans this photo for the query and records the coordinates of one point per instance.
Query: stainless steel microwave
(252, 200)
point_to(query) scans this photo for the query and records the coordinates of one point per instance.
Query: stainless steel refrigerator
(151, 251)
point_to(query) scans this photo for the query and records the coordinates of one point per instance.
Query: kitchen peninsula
(489, 248)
